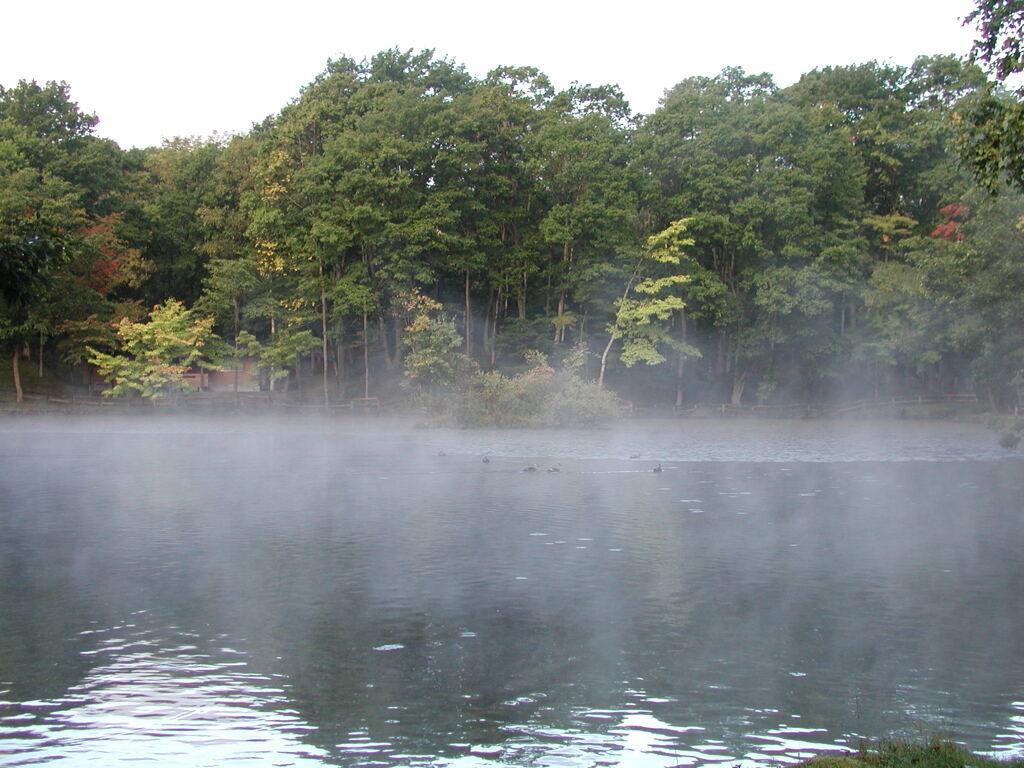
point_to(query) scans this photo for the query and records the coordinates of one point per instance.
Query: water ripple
(167, 702)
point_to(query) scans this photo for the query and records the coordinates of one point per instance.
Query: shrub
(538, 397)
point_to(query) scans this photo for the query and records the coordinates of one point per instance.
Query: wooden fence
(898, 402)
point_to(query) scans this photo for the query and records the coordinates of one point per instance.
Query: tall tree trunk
(41, 354)
(611, 338)
(18, 395)
(522, 298)
(366, 356)
(469, 320)
(384, 344)
(323, 333)
(494, 329)
(739, 381)
(559, 328)
(273, 332)
(399, 348)
(680, 363)
(604, 361)
(339, 357)
(237, 362)
(487, 320)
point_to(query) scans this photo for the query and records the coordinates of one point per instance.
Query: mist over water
(338, 593)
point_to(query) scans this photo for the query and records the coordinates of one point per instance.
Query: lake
(319, 592)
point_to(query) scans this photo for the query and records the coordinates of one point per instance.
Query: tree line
(402, 220)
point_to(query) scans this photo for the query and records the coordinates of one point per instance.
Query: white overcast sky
(153, 70)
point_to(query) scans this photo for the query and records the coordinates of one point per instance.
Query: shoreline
(917, 408)
(935, 752)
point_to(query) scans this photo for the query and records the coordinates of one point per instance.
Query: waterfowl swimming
(486, 459)
(657, 468)
(634, 455)
(556, 467)
(531, 468)
(440, 452)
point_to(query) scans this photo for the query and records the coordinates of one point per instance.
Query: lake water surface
(198, 593)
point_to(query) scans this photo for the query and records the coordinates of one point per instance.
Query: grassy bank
(934, 753)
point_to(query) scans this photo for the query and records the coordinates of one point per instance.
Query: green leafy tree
(765, 182)
(992, 137)
(511, 105)
(584, 157)
(899, 121)
(984, 289)
(40, 209)
(346, 183)
(433, 363)
(175, 186)
(640, 320)
(155, 356)
(279, 355)
(486, 176)
(93, 290)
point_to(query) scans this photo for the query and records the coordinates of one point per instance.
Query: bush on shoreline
(931, 753)
(539, 397)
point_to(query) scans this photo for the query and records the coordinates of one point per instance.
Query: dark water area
(198, 593)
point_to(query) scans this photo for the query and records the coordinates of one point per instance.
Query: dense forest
(403, 222)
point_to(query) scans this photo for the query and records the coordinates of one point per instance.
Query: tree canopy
(749, 243)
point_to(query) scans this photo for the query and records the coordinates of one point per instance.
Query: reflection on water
(320, 594)
(148, 698)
